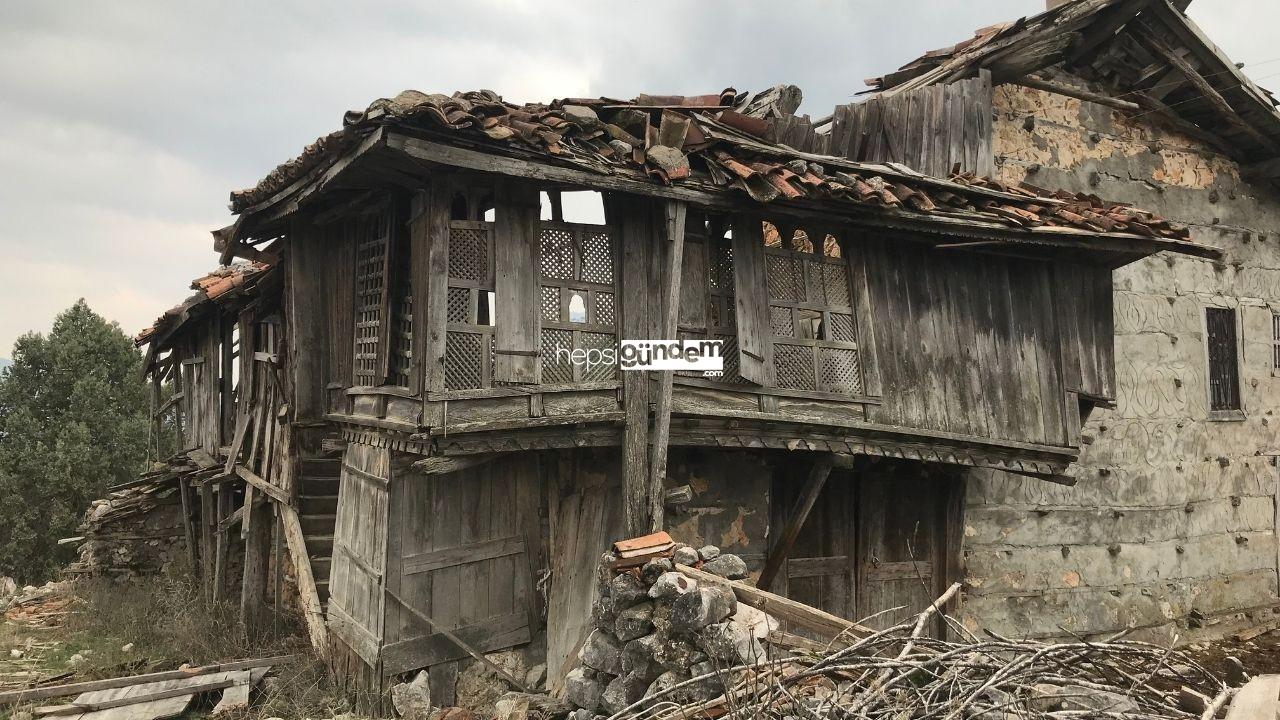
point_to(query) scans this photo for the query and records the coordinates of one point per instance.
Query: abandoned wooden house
(916, 354)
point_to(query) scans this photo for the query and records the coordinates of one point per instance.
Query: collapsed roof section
(709, 149)
(1152, 58)
(221, 288)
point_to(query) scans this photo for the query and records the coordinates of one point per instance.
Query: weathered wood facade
(435, 319)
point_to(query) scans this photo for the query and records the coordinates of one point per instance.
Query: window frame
(1236, 355)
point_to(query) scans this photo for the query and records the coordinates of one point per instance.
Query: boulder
(670, 585)
(726, 566)
(601, 652)
(621, 692)
(654, 569)
(529, 706)
(583, 691)
(639, 658)
(709, 552)
(412, 700)
(626, 590)
(536, 677)
(731, 644)
(602, 614)
(699, 608)
(634, 622)
(685, 555)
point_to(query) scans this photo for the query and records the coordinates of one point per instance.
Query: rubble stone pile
(135, 531)
(654, 628)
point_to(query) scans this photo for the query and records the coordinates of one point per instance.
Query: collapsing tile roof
(215, 287)
(708, 142)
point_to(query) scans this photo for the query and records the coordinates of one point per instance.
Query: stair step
(317, 524)
(319, 546)
(320, 467)
(320, 485)
(318, 504)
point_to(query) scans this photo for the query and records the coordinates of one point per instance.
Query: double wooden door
(878, 538)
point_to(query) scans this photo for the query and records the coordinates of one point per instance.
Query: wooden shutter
(356, 603)
(517, 327)
(751, 302)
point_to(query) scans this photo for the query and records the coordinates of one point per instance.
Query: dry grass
(168, 623)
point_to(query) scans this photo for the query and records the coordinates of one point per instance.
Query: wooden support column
(674, 213)
(188, 527)
(632, 220)
(306, 301)
(818, 475)
(222, 543)
(516, 251)
(257, 547)
(208, 523)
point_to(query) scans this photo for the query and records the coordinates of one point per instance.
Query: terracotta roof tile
(210, 287)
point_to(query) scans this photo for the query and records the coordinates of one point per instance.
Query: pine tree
(73, 421)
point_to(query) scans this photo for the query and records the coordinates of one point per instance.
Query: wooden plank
(1257, 700)
(786, 540)
(253, 586)
(308, 598)
(137, 703)
(469, 553)
(432, 229)
(755, 348)
(208, 525)
(459, 642)
(674, 214)
(780, 607)
(52, 691)
(817, 566)
(516, 249)
(258, 482)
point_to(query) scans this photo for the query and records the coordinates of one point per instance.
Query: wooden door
(819, 571)
(901, 531)
(467, 544)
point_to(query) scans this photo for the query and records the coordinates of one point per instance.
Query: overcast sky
(124, 125)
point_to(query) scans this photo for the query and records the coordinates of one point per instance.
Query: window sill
(1226, 416)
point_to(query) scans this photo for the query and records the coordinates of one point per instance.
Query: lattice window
(373, 245)
(1224, 363)
(815, 345)
(401, 346)
(707, 246)
(468, 354)
(577, 299)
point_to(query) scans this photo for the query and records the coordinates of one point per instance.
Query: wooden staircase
(317, 511)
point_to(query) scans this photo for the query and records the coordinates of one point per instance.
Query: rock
(685, 555)
(582, 691)
(671, 585)
(695, 610)
(621, 692)
(709, 552)
(582, 116)
(639, 658)
(16, 654)
(1235, 672)
(76, 659)
(8, 588)
(634, 622)
(1048, 697)
(673, 163)
(528, 706)
(676, 654)
(653, 569)
(727, 566)
(581, 714)
(601, 652)
(126, 648)
(602, 614)
(412, 700)
(536, 677)
(453, 713)
(626, 590)
(731, 643)
(668, 680)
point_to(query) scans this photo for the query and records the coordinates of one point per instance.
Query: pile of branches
(899, 672)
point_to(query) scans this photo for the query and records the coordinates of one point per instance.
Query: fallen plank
(780, 607)
(148, 701)
(1259, 699)
(1263, 629)
(236, 697)
(52, 691)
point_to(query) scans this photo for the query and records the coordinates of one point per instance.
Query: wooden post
(516, 250)
(277, 568)
(674, 213)
(184, 495)
(631, 219)
(253, 587)
(308, 597)
(787, 539)
(208, 522)
(222, 543)
(429, 236)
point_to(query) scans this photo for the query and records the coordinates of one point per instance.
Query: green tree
(73, 421)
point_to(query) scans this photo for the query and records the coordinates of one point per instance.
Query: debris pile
(656, 629)
(136, 530)
(900, 672)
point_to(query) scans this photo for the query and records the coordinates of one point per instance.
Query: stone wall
(730, 505)
(1172, 522)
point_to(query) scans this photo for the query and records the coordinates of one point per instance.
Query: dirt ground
(1260, 656)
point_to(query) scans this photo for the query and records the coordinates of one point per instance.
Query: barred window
(383, 300)
(810, 313)
(1224, 368)
(1275, 341)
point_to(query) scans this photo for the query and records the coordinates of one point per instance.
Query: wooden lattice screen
(815, 344)
(578, 299)
(372, 287)
(401, 345)
(468, 359)
(1224, 367)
